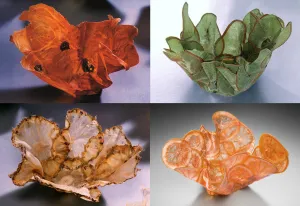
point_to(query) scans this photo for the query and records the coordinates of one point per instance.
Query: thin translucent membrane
(76, 159)
(75, 59)
(225, 161)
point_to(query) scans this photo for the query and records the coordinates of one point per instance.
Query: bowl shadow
(245, 197)
(38, 195)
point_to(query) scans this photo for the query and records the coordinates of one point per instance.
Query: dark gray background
(170, 188)
(17, 85)
(133, 118)
(169, 83)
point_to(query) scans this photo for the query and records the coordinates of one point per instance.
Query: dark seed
(87, 67)
(64, 46)
(38, 68)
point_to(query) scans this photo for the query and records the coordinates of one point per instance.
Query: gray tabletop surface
(19, 86)
(169, 83)
(135, 121)
(171, 188)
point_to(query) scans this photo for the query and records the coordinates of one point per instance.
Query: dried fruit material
(75, 59)
(225, 161)
(231, 63)
(76, 159)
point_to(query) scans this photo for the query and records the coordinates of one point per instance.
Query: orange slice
(216, 172)
(226, 160)
(260, 167)
(176, 153)
(229, 147)
(196, 160)
(256, 152)
(223, 119)
(240, 174)
(230, 131)
(271, 149)
(281, 167)
(195, 139)
(229, 128)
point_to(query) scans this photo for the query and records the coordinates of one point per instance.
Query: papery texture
(76, 159)
(225, 161)
(75, 59)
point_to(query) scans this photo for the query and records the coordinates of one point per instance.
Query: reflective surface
(135, 121)
(19, 86)
(169, 83)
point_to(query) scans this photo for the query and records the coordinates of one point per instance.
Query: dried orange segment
(188, 172)
(212, 146)
(211, 192)
(216, 172)
(243, 140)
(176, 153)
(227, 187)
(203, 178)
(196, 159)
(193, 168)
(225, 161)
(222, 155)
(211, 143)
(240, 174)
(256, 152)
(213, 175)
(223, 119)
(259, 167)
(282, 166)
(236, 159)
(195, 139)
(230, 129)
(271, 149)
(203, 130)
(229, 147)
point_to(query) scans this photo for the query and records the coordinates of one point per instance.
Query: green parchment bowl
(231, 63)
